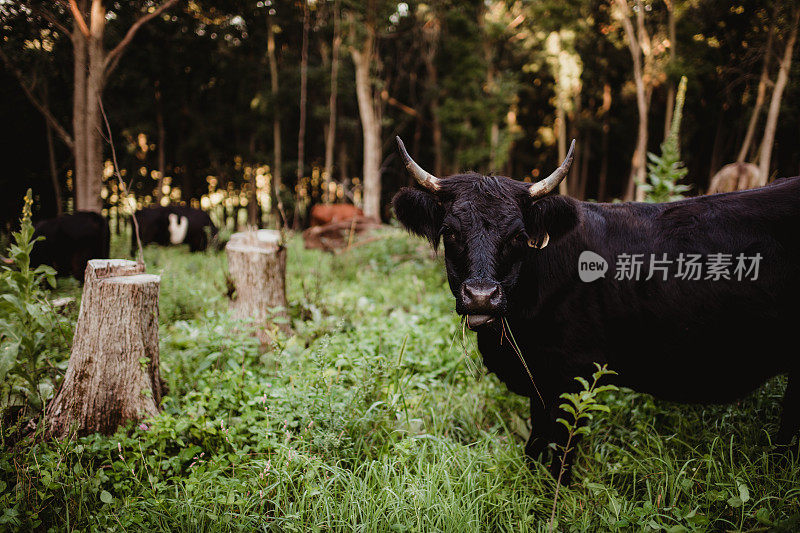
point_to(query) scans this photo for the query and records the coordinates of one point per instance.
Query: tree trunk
(331, 134)
(716, 147)
(561, 131)
(253, 218)
(301, 131)
(575, 170)
(162, 155)
(775, 103)
(344, 176)
(672, 56)
(113, 375)
(277, 178)
(586, 144)
(90, 182)
(51, 153)
(431, 32)
(761, 95)
(89, 73)
(80, 132)
(605, 109)
(638, 43)
(369, 112)
(257, 267)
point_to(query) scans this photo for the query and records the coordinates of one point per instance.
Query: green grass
(377, 415)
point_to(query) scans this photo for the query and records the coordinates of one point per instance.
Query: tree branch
(76, 12)
(50, 17)
(62, 133)
(113, 57)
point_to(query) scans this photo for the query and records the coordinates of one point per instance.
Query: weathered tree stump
(113, 374)
(257, 267)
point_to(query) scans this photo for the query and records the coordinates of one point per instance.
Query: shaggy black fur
(686, 341)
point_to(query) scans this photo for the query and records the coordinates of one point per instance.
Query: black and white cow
(174, 225)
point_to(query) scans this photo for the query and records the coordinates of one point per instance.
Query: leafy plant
(26, 320)
(665, 171)
(580, 405)
(372, 415)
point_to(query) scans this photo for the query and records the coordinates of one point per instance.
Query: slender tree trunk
(92, 180)
(488, 56)
(51, 153)
(370, 114)
(602, 178)
(716, 148)
(575, 170)
(638, 43)
(277, 178)
(113, 374)
(775, 103)
(331, 135)
(586, 143)
(761, 95)
(672, 56)
(88, 83)
(431, 32)
(561, 131)
(80, 133)
(162, 154)
(344, 176)
(253, 219)
(301, 134)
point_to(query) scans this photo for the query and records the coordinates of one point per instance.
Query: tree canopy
(494, 86)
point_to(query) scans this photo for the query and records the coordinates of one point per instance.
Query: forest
(206, 96)
(282, 355)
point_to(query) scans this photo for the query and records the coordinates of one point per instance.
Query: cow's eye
(520, 239)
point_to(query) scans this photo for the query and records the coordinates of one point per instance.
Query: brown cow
(322, 214)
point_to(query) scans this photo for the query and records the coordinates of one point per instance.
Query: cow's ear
(419, 212)
(550, 218)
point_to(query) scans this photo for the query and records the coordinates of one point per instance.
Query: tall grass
(376, 416)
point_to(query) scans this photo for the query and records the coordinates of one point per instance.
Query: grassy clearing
(377, 415)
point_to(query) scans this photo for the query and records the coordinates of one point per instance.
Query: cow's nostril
(481, 296)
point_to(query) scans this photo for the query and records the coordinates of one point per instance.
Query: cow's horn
(540, 188)
(428, 181)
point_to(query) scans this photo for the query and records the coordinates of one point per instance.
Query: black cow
(174, 224)
(512, 252)
(70, 241)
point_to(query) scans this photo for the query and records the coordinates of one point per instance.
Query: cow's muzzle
(481, 301)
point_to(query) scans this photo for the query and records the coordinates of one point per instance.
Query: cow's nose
(481, 296)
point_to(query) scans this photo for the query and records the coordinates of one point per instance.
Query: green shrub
(665, 171)
(29, 326)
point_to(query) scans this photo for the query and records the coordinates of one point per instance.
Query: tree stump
(257, 267)
(113, 374)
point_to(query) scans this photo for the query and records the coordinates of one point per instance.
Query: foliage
(377, 415)
(493, 95)
(27, 322)
(580, 406)
(664, 172)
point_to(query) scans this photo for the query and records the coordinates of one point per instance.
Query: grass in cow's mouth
(510, 336)
(373, 416)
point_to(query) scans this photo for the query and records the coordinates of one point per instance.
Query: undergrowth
(376, 415)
